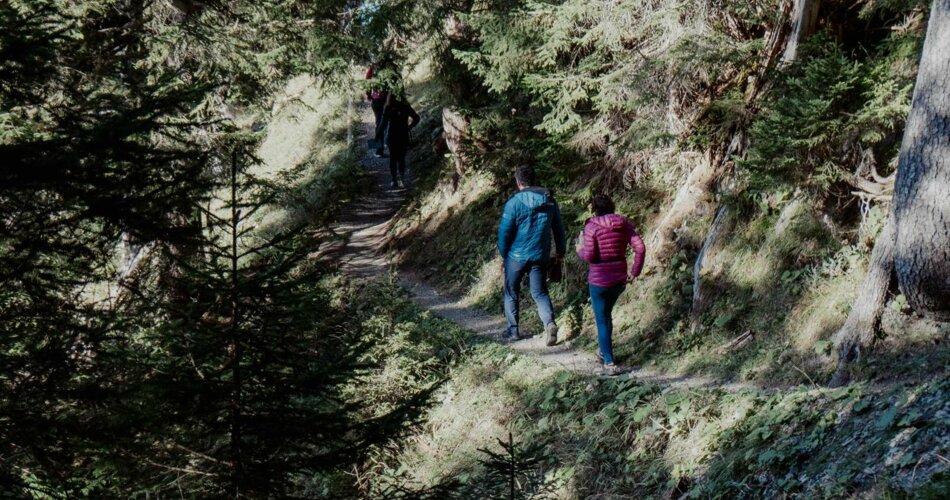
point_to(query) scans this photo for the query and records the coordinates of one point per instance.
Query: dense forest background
(169, 169)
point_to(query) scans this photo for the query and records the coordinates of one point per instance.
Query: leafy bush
(827, 112)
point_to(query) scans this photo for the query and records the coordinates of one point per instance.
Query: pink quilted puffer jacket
(606, 238)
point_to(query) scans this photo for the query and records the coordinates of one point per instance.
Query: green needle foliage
(92, 146)
(831, 112)
(244, 376)
(515, 472)
(210, 365)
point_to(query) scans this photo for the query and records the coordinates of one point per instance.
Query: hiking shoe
(610, 370)
(507, 337)
(550, 334)
(395, 185)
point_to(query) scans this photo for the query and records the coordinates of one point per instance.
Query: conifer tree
(247, 371)
(89, 151)
(913, 245)
(108, 114)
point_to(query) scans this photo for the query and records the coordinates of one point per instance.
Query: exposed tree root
(455, 129)
(859, 331)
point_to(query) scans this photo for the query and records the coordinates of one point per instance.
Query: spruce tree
(921, 209)
(247, 372)
(109, 111)
(88, 152)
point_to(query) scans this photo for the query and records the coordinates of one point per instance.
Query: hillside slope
(759, 175)
(774, 248)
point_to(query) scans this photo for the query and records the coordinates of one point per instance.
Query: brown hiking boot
(550, 334)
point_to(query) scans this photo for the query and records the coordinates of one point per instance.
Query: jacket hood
(612, 222)
(534, 197)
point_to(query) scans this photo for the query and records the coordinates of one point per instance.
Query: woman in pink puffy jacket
(604, 244)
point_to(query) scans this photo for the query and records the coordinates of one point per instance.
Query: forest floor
(363, 230)
(646, 432)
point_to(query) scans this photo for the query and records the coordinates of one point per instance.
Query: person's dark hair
(525, 175)
(602, 204)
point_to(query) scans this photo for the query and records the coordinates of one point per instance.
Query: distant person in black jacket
(398, 119)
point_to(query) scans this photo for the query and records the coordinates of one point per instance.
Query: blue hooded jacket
(529, 219)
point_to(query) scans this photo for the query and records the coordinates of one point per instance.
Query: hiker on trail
(398, 119)
(529, 219)
(377, 98)
(603, 244)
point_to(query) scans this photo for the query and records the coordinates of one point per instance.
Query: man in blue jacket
(530, 218)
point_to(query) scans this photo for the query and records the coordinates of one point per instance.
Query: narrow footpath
(363, 230)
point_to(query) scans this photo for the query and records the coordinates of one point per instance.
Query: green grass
(306, 156)
(619, 438)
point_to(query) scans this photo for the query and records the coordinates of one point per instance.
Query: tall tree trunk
(922, 188)
(862, 324)
(804, 22)
(455, 129)
(234, 343)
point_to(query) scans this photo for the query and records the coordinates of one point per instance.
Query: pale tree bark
(922, 188)
(695, 191)
(804, 22)
(455, 130)
(135, 263)
(699, 298)
(864, 320)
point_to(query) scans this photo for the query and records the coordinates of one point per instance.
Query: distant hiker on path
(398, 119)
(377, 98)
(529, 219)
(603, 244)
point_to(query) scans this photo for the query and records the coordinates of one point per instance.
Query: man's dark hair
(602, 204)
(525, 175)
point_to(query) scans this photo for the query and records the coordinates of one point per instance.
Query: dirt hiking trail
(363, 230)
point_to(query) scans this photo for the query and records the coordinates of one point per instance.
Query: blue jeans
(514, 273)
(602, 299)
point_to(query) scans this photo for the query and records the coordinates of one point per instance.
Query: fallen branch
(736, 343)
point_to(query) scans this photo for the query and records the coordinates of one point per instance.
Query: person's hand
(630, 278)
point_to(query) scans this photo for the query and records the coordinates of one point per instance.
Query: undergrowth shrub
(411, 350)
(832, 111)
(621, 437)
(408, 356)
